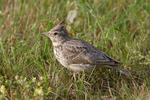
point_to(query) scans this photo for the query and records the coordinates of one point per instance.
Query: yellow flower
(49, 89)
(38, 91)
(3, 89)
(6, 81)
(39, 83)
(34, 79)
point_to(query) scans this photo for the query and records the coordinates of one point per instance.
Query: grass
(28, 69)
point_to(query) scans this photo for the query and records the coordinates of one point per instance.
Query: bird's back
(79, 51)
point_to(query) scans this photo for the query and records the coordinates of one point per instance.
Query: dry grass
(28, 69)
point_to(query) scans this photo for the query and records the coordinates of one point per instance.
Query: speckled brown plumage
(78, 55)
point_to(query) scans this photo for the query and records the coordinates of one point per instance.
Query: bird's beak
(45, 33)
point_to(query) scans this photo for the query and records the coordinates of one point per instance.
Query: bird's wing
(80, 52)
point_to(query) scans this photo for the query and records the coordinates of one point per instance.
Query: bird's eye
(55, 33)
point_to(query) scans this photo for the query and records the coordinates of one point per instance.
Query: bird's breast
(58, 52)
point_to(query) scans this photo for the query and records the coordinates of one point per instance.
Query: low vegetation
(29, 70)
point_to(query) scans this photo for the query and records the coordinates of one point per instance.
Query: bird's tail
(121, 71)
(124, 72)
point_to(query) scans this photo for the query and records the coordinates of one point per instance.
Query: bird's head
(58, 33)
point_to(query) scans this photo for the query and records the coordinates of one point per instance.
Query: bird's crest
(59, 26)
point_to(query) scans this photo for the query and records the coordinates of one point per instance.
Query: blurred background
(28, 69)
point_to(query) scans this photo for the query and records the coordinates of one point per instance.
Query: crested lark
(78, 55)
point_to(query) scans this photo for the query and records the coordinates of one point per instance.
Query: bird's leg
(74, 76)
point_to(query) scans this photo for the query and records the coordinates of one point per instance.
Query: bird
(78, 55)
